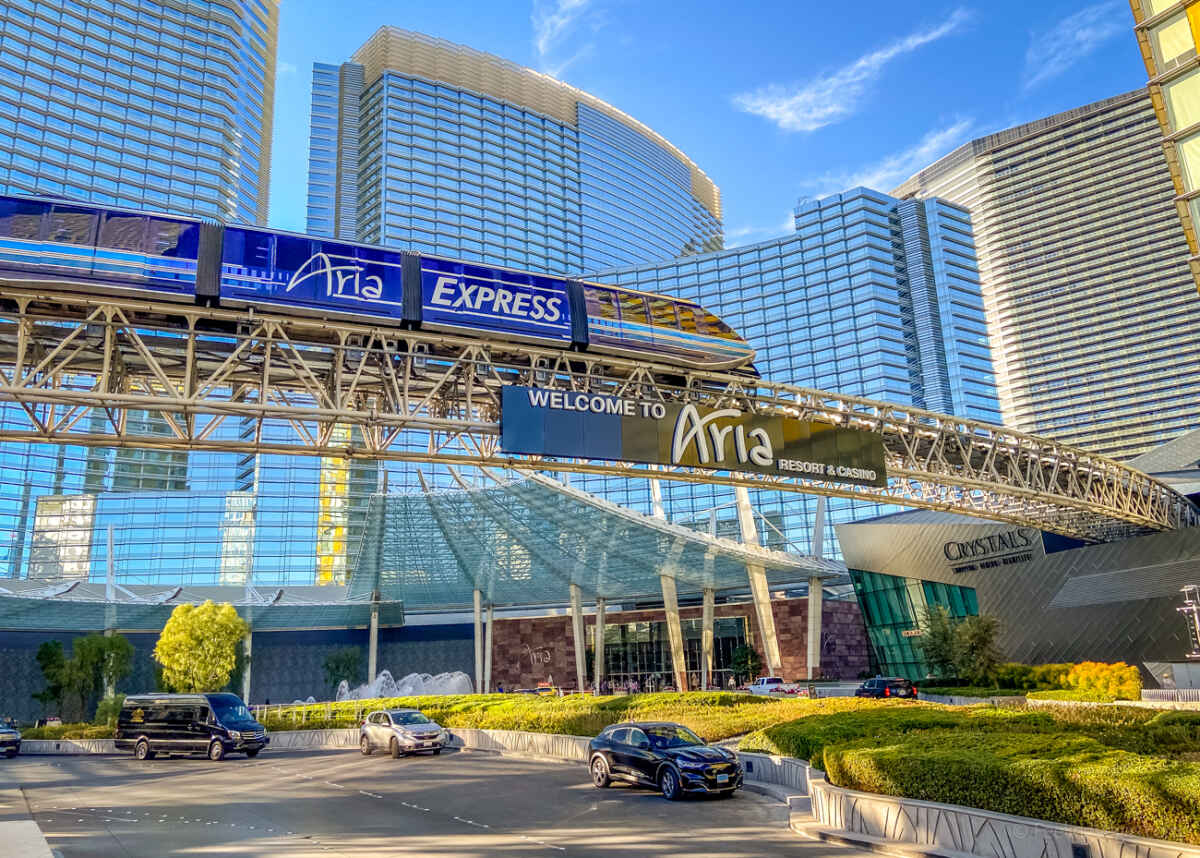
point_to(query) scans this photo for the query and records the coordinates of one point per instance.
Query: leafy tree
(746, 663)
(198, 646)
(939, 641)
(977, 657)
(108, 709)
(50, 659)
(345, 663)
(116, 660)
(80, 672)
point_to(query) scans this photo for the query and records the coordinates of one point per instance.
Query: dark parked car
(665, 756)
(209, 724)
(892, 686)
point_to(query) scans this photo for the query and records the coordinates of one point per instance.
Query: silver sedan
(400, 732)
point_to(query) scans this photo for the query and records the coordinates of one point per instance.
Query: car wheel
(216, 752)
(394, 749)
(364, 745)
(10, 753)
(668, 782)
(252, 753)
(599, 768)
(142, 750)
(436, 751)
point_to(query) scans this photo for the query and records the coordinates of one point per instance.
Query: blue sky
(774, 100)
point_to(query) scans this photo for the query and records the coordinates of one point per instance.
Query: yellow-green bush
(69, 731)
(1118, 681)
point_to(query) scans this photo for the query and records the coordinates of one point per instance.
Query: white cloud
(831, 97)
(1053, 51)
(286, 68)
(553, 23)
(891, 170)
(751, 234)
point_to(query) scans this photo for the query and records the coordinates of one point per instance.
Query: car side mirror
(643, 745)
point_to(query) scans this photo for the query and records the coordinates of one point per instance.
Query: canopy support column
(578, 637)
(373, 644)
(758, 585)
(598, 646)
(816, 595)
(247, 644)
(487, 650)
(478, 599)
(706, 639)
(674, 631)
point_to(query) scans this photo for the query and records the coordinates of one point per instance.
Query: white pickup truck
(775, 685)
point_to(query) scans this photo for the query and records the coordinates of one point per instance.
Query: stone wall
(530, 650)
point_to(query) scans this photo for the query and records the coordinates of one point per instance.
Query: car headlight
(691, 765)
(234, 734)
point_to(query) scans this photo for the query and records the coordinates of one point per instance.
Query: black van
(210, 724)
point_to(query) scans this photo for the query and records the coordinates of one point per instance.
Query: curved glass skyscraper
(140, 103)
(428, 145)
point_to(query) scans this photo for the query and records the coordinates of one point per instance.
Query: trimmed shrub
(1066, 778)
(1118, 681)
(1074, 695)
(69, 731)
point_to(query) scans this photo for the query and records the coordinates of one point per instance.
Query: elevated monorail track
(75, 366)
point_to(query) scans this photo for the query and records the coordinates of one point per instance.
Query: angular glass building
(140, 103)
(427, 145)
(1084, 272)
(872, 296)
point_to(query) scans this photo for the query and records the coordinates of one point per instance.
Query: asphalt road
(340, 803)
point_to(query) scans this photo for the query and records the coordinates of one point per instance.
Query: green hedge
(968, 691)
(68, 731)
(1121, 768)
(1074, 695)
(713, 715)
(1067, 778)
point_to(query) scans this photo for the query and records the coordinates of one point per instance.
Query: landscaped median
(1128, 770)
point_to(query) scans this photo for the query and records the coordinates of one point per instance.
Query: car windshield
(671, 737)
(409, 718)
(231, 711)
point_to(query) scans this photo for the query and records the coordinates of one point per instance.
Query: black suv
(892, 686)
(668, 757)
(209, 724)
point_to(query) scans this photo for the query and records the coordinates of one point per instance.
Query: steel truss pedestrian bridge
(242, 381)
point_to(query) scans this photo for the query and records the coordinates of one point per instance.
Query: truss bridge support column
(758, 585)
(373, 644)
(487, 649)
(598, 647)
(578, 638)
(478, 642)
(706, 639)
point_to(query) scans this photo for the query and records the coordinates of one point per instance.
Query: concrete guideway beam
(487, 649)
(816, 596)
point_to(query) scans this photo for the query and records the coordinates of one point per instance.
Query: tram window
(71, 225)
(689, 319)
(21, 219)
(247, 248)
(123, 232)
(173, 238)
(601, 303)
(291, 253)
(633, 308)
(662, 313)
(714, 327)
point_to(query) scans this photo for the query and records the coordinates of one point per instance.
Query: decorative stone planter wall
(787, 772)
(959, 700)
(946, 828)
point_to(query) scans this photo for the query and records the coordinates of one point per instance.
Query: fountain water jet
(412, 685)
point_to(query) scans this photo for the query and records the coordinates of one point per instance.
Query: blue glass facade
(139, 103)
(872, 296)
(462, 154)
